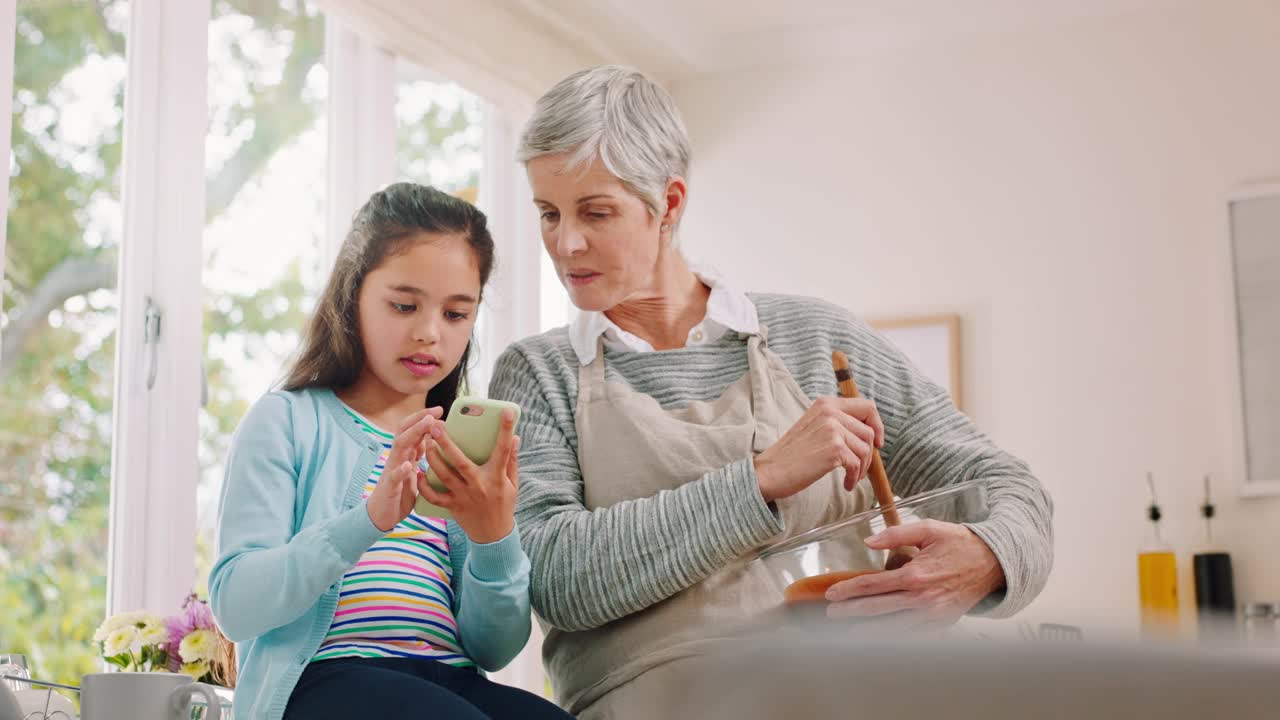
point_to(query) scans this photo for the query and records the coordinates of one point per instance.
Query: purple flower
(195, 615)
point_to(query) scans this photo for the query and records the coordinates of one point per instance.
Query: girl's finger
(410, 487)
(451, 452)
(434, 430)
(399, 474)
(513, 465)
(439, 499)
(506, 438)
(411, 436)
(453, 482)
(413, 418)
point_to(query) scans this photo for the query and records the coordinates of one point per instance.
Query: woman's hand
(392, 500)
(833, 433)
(482, 498)
(953, 571)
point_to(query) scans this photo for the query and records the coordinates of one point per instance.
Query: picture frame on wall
(932, 343)
(1253, 265)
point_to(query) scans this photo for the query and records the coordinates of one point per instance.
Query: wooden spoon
(879, 478)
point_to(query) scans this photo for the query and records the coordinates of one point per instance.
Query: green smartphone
(473, 424)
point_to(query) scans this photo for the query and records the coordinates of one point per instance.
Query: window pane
(59, 320)
(438, 132)
(439, 128)
(266, 157)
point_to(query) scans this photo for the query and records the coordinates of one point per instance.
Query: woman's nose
(570, 241)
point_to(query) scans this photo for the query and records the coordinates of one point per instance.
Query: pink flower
(195, 615)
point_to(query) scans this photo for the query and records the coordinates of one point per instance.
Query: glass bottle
(1157, 577)
(1215, 586)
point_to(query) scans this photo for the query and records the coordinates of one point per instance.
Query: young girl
(343, 601)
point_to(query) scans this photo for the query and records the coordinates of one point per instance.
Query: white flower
(198, 645)
(154, 635)
(149, 621)
(132, 618)
(121, 620)
(119, 640)
(196, 669)
(108, 625)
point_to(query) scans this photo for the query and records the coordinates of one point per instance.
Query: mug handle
(182, 695)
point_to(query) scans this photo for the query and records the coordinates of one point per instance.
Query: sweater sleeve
(493, 601)
(590, 567)
(265, 575)
(930, 444)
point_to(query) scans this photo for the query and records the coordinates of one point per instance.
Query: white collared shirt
(728, 310)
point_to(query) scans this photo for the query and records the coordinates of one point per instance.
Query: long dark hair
(332, 355)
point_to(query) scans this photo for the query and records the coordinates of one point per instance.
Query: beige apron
(629, 447)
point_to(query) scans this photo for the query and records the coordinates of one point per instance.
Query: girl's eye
(452, 315)
(402, 308)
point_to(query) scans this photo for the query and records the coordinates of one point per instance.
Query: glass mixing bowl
(803, 567)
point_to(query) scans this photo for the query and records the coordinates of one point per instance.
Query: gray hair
(620, 115)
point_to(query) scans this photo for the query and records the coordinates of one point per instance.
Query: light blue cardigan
(292, 522)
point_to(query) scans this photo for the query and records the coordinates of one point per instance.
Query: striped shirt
(593, 567)
(398, 599)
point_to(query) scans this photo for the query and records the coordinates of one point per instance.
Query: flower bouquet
(188, 642)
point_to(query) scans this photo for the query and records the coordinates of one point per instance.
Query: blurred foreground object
(823, 669)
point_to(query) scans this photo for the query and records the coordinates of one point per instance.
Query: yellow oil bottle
(1157, 577)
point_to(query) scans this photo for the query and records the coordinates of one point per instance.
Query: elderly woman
(679, 425)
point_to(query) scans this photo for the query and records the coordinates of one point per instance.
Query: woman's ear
(676, 195)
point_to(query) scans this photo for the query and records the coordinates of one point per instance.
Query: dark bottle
(1215, 588)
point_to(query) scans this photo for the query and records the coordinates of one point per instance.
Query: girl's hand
(392, 500)
(482, 498)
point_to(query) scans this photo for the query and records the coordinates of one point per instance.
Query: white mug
(143, 696)
(10, 709)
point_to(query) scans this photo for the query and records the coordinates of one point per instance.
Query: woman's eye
(597, 215)
(550, 215)
(403, 308)
(453, 315)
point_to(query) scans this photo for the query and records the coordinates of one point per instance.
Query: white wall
(1061, 190)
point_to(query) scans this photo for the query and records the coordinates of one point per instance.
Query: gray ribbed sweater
(593, 567)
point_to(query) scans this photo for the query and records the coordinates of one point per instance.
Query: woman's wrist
(761, 466)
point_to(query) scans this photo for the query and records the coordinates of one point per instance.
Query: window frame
(155, 467)
(512, 299)
(154, 461)
(361, 124)
(8, 48)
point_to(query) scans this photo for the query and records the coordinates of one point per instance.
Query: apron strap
(763, 403)
(591, 377)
